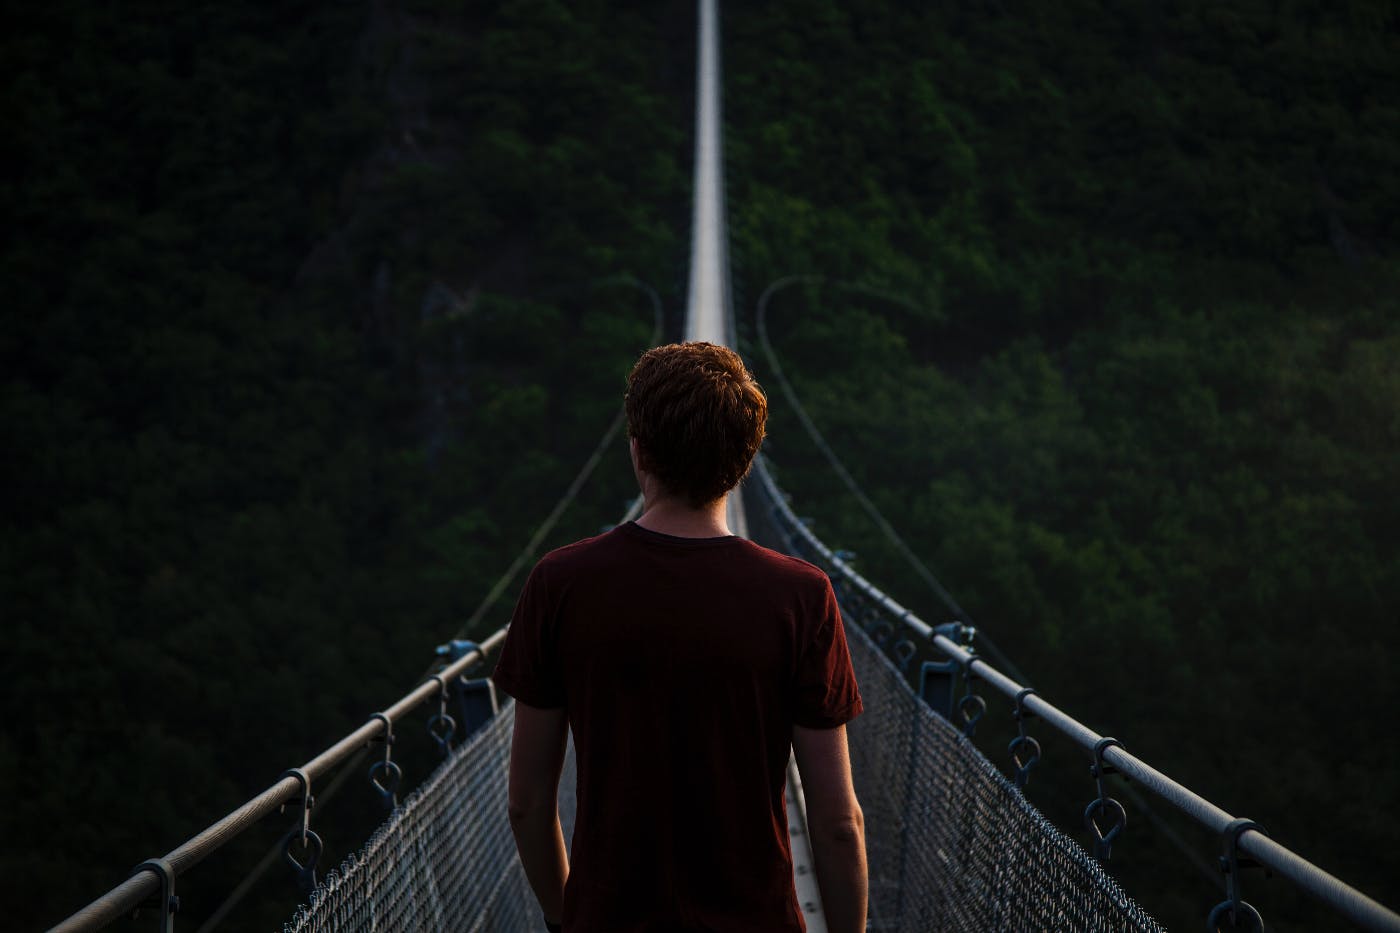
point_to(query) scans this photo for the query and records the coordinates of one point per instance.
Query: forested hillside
(1136, 399)
(306, 331)
(311, 318)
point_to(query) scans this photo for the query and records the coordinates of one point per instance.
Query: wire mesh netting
(445, 860)
(952, 844)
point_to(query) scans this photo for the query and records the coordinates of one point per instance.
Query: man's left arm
(536, 760)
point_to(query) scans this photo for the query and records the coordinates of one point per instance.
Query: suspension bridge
(953, 843)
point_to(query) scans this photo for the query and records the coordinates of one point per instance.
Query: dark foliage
(306, 333)
(306, 330)
(1137, 402)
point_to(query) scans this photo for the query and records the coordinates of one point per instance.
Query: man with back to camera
(687, 662)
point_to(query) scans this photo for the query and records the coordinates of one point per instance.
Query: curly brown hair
(698, 418)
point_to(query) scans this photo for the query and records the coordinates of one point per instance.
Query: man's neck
(675, 517)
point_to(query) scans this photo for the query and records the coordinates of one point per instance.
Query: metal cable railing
(156, 877)
(1239, 836)
(445, 860)
(531, 549)
(872, 511)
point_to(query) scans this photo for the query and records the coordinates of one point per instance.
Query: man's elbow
(526, 812)
(844, 829)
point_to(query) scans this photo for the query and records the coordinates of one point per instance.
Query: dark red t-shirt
(683, 664)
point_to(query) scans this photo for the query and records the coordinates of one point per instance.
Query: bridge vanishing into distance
(953, 844)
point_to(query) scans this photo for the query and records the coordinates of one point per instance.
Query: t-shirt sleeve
(528, 668)
(825, 692)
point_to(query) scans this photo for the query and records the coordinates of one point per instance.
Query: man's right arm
(835, 825)
(536, 758)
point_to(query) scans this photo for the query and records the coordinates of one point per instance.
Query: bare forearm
(841, 873)
(540, 841)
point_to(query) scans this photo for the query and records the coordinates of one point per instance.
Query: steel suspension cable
(527, 553)
(839, 468)
(532, 546)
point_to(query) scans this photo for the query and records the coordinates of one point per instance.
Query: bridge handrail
(1355, 905)
(131, 893)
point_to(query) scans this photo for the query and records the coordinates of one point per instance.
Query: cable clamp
(164, 899)
(441, 725)
(1104, 805)
(388, 736)
(304, 798)
(392, 775)
(971, 707)
(957, 633)
(310, 841)
(456, 649)
(1099, 768)
(1234, 909)
(1024, 750)
(1020, 713)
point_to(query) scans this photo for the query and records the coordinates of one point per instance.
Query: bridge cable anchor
(938, 681)
(310, 841)
(476, 697)
(1104, 805)
(388, 787)
(441, 725)
(1234, 908)
(1024, 749)
(165, 899)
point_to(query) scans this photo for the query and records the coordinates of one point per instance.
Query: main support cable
(840, 470)
(707, 299)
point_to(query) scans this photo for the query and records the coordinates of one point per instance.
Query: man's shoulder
(785, 565)
(579, 552)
